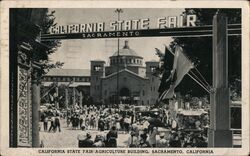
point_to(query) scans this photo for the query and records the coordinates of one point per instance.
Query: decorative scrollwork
(24, 108)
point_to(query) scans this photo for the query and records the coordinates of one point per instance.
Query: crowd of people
(141, 130)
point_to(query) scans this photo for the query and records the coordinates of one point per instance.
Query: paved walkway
(67, 138)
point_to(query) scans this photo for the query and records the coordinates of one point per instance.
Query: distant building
(136, 84)
(72, 84)
(78, 77)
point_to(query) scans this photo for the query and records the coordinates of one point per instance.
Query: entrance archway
(124, 92)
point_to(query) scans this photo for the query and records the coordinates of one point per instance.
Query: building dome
(126, 51)
(127, 57)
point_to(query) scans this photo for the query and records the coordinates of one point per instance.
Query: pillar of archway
(36, 99)
(220, 134)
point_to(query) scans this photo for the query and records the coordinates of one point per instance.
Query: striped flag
(181, 67)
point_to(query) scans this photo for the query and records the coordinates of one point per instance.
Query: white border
(4, 59)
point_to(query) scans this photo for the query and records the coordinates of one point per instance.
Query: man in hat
(126, 124)
(152, 137)
(87, 142)
(101, 124)
(99, 141)
(81, 137)
(133, 140)
(143, 139)
(111, 137)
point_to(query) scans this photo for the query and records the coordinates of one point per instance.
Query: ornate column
(23, 128)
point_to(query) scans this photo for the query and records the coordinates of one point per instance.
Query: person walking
(121, 121)
(126, 124)
(101, 124)
(52, 124)
(87, 122)
(81, 137)
(133, 140)
(57, 123)
(45, 123)
(143, 140)
(91, 122)
(81, 120)
(152, 137)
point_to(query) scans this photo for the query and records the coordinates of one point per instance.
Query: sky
(76, 54)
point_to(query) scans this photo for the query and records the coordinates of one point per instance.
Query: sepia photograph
(142, 80)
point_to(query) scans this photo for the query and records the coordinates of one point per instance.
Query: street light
(118, 11)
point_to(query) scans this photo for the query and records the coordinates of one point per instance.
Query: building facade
(126, 80)
(68, 86)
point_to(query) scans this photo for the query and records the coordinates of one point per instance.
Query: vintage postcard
(124, 78)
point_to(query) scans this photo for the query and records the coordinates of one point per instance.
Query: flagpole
(198, 82)
(118, 11)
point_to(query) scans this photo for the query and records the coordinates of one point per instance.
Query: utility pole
(118, 11)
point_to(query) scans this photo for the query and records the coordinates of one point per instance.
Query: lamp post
(118, 11)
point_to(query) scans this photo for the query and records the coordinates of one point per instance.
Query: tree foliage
(26, 26)
(52, 45)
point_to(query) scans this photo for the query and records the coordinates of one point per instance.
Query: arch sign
(175, 26)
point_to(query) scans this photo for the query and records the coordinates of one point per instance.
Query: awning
(192, 112)
(136, 98)
(74, 84)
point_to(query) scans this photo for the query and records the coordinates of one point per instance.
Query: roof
(69, 72)
(97, 60)
(126, 51)
(74, 84)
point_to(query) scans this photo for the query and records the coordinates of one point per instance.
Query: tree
(26, 26)
(52, 45)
